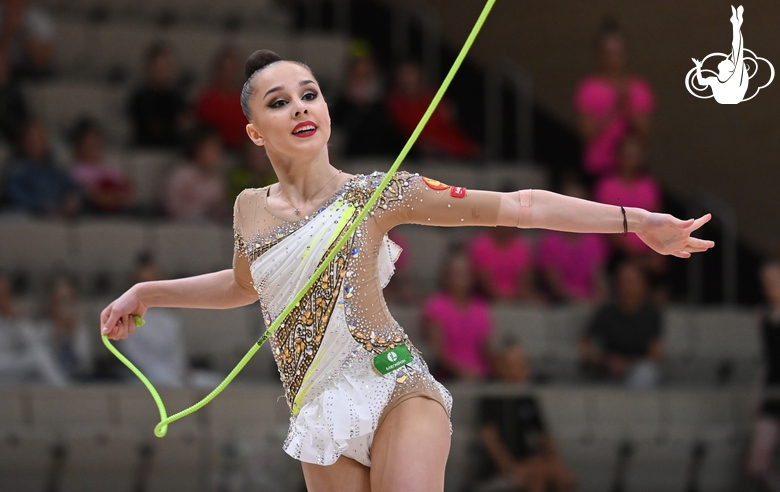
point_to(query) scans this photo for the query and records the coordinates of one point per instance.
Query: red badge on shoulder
(433, 184)
(458, 191)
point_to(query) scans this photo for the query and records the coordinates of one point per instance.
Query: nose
(300, 110)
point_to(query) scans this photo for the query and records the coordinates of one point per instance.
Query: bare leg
(410, 448)
(345, 475)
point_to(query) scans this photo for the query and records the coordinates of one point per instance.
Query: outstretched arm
(412, 199)
(547, 210)
(218, 290)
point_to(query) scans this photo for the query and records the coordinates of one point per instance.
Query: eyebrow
(279, 87)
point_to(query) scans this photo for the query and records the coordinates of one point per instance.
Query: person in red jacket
(408, 101)
(219, 104)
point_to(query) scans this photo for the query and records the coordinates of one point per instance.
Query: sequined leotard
(324, 348)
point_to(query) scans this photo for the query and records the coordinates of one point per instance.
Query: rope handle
(162, 428)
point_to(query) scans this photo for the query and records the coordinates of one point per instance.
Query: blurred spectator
(23, 356)
(27, 39)
(253, 170)
(458, 324)
(572, 265)
(13, 106)
(623, 338)
(106, 188)
(196, 189)
(632, 186)
(401, 286)
(766, 430)
(362, 114)
(157, 107)
(408, 101)
(522, 453)
(219, 105)
(35, 183)
(65, 333)
(611, 103)
(502, 260)
(157, 348)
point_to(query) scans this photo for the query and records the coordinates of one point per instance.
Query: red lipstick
(305, 129)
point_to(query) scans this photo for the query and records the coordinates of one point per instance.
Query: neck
(302, 177)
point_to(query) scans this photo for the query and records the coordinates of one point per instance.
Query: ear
(254, 136)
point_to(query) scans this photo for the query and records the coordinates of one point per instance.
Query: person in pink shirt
(196, 189)
(502, 259)
(572, 265)
(458, 324)
(611, 104)
(632, 186)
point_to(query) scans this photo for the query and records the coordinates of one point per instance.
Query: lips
(305, 129)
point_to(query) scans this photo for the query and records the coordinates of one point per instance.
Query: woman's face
(612, 54)
(289, 114)
(459, 278)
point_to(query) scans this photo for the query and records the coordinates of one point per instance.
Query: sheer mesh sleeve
(241, 271)
(414, 199)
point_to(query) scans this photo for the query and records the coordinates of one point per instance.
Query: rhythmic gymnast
(731, 84)
(366, 414)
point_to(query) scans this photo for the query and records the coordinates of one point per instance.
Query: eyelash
(276, 104)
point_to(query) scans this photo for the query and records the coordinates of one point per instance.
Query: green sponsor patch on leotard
(392, 359)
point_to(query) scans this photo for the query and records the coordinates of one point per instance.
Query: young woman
(353, 428)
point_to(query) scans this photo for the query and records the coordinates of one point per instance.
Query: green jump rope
(162, 428)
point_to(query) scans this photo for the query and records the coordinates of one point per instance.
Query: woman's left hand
(668, 235)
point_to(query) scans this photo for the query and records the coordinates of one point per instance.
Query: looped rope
(162, 428)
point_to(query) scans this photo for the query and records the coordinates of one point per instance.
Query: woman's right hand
(116, 320)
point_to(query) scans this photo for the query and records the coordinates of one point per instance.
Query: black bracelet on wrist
(625, 221)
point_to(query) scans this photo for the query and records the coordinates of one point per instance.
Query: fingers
(701, 221)
(111, 321)
(702, 244)
(681, 254)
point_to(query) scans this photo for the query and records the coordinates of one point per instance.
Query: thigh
(345, 475)
(410, 448)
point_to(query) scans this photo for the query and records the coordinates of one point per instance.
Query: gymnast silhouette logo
(735, 70)
(392, 357)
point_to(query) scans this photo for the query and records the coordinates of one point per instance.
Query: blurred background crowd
(123, 149)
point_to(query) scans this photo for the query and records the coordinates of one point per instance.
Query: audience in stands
(106, 188)
(219, 104)
(24, 357)
(766, 429)
(35, 184)
(158, 108)
(253, 170)
(611, 103)
(27, 39)
(633, 186)
(623, 338)
(521, 454)
(65, 333)
(401, 288)
(13, 105)
(408, 101)
(571, 266)
(503, 262)
(196, 188)
(458, 324)
(361, 112)
(157, 348)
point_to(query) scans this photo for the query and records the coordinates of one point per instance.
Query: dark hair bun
(258, 60)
